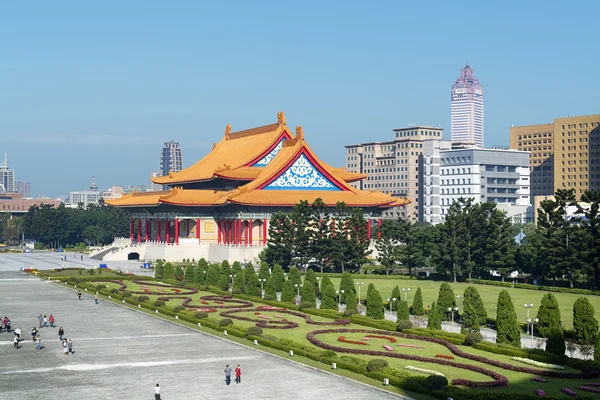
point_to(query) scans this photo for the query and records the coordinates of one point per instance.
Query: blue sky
(94, 88)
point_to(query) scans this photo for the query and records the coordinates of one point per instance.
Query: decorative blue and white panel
(269, 157)
(301, 175)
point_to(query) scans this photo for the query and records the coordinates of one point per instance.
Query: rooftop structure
(467, 109)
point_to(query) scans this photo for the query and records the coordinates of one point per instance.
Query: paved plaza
(121, 354)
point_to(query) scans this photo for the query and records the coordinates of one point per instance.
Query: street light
(262, 292)
(405, 290)
(318, 287)
(339, 293)
(532, 322)
(393, 299)
(452, 310)
(232, 279)
(359, 285)
(527, 307)
(298, 286)
(460, 299)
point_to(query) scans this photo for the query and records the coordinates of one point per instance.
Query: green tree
(395, 295)
(388, 245)
(597, 349)
(159, 270)
(307, 294)
(203, 264)
(555, 344)
(169, 271)
(471, 297)
(300, 218)
(418, 303)
(434, 318)
(310, 278)
(506, 321)
(270, 293)
(294, 276)
(402, 313)
(456, 244)
(320, 232)
(374, 303)
(251, 280)
(179, 273)
(590, 236)
(278, 277)
(189, 273)
(200, 274)
(328, 298)
(358, 239)
(263, 272)
(584, 322)
(470, 319)
(339, 252)
(548, 315)
(287, 293)
(213, 275)
(351, 302)
(224, 282)
(325, 281)
(347, 285)
(239, 283)
(500, 244)
(280, 244)
(445, 300)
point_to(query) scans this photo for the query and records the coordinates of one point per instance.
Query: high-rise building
(564, 154)
(153, 186)
(85, 197)
(467, 109)
(499, 176)
(24, 188)
(7, 177)
(171, 159)
(392, 166)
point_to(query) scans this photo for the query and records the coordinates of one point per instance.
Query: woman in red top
(238, 374)
(51, 319)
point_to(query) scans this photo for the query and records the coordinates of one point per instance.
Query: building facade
(85, 197)
(467, 109)
(565, 154)
(499, 176)
(392, 166)
(7, 177)
(171, 159)
(14, 203)
(24, 188)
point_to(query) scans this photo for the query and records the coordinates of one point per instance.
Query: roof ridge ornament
(227, 131)
(280, 118)
(299, 133)
(171, 174)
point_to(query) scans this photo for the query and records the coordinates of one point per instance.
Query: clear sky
(94, 88)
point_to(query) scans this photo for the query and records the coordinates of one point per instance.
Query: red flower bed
(204, 302)
(344, 340)
(447, 357)
(146, 291)
(391, 339)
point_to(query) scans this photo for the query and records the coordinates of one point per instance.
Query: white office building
(467, 109)
(446, 174)
(7, 177)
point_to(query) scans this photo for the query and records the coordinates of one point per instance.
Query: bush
(143, 298)
(374, 303)
(225, 322)
(506, 320)
(584, 322)
(159, 303)
(254, 331)
(329, 354)
(376, 364)
(445, 300)
(178, 309)
(402, 313)
(113, 290)
(435, 382)
(555, 344)
(306, 304)
(434, 318)
(201, 315)
(126, 294)
(473, 338)
(403, 324)
(349, 313)
(549, 315)
(101, 287)
(418, 303)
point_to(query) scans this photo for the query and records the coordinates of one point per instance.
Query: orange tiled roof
(241, 173)
(138, 199)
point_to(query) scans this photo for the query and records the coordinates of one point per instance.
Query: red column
(198, 229)
(265, 223)
(146, 231)
(239, 224)
(369, 228)
(167, 231)
(158, 230)
(379, 229)
(176, 230)
(219, 225)
(139, 230)
(131, 228)
(234, 231)
(250, 232)
(229, 231)
(246, 233)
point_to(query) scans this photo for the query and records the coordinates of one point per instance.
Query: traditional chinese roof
(136, 199)
(292, 174)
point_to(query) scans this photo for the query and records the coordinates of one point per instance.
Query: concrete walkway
(122, 354)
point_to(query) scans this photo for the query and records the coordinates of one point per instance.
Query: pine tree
(395, 295)
(328, 298)
(584, 322)
(169, 271)
(224, 282)
(280, 244)
(251, 280)
(320, 232)
(325, 281)
(555, 344)
(189, 273)
(597, 348)
(239, 283)
(159, 270)
(418, 303)
(310, 278)
(471, 296)
(351, 302)
(287, 292)
(179, 273)
(470, 319)
(347, 285)
(374, 303)
(294, 276)
(506, 321)
(202, 263)
(270, 293)
(213, 276)
(199, 275)
(278, 277)
(402, 313)
(388, 244)
(434, 318)
(445, 300)
(548, 315)
(307, 294)
(263, 272)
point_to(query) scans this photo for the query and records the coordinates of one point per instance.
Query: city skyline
(102, 101)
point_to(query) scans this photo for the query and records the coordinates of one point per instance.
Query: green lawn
(68, 273)
(489, 295)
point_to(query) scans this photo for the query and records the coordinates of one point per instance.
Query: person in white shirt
(157, 392)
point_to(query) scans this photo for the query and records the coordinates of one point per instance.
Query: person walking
(61, 332)
(70, 346)
(238, 374)
(33, 333)
(16, 342)
(7, 323)
(79, 294)
(227, 375)
(96, 298)
(157, 392)
(64, 344)
(18, 333)
(41, 320)
(38, 342)
(82, 257)
(45, 322)
(51, 320)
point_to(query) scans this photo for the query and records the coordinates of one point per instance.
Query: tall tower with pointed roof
(467, 109)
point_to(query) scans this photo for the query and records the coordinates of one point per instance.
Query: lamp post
(318, 287)
(232, 279)
(459, 297)
(340, 293)
(359, 284)
(452, 310)
(298, 286)
(393, 300)
(527, 307)
(405, 290)
(262, 292)
(532, 322)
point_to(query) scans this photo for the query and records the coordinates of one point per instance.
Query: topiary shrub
(159, 303)
(225, 322)
(376, 364)
(403, 324)
(100, 287)
(254, 331)
(113, 290)
(237, 291)
(143, 298)
(306, 304)
(201, 315)
(349, 313)
(329, 354)
(126, 294)
(435, 382)
(178, 308)
(473, 338)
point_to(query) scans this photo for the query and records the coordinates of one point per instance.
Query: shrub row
(537, 287)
